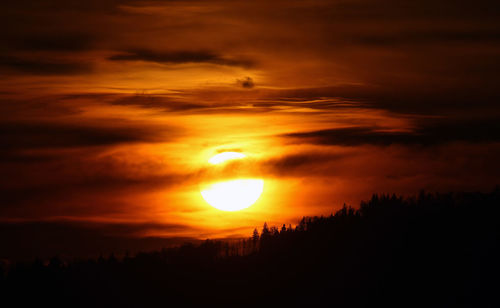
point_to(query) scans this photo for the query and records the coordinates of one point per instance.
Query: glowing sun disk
(233, 195)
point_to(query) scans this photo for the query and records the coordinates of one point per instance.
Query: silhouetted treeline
(438, 250)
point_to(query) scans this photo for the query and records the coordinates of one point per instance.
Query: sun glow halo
(225, 156)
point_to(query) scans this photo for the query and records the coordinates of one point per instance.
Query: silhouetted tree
(255, 235)
(265, 230)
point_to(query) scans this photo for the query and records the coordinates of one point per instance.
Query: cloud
(427, 37)
(178, 57)
(430, 132)
(62, 5)
(24, 135)
(43, 66)
(103, 181)
(71, 42)
(246, 83)
(303, 163)
(351, 136)
(161, 102)
(68, 192)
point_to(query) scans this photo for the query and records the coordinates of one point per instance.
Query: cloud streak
(431, 132)
(178, 57)
(19, 135)
(43, 66)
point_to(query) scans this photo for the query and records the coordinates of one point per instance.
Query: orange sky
(110, 109)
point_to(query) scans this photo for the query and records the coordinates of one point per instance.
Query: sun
(235, 194)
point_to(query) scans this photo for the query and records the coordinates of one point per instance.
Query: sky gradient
(110, 109)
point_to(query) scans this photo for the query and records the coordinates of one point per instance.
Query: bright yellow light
(222, 157)
(233, 195)
(230, 194)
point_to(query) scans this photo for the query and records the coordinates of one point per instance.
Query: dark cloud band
(178, 57)
(20, 135)
(43, 66)
(429, 133)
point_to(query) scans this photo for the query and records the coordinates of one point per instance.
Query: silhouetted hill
(438, 250)
(22, 241)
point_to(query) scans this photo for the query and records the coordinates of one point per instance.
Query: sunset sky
(111, 109)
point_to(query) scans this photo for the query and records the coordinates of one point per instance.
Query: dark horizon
(432, 249)
(111, 110)
(27, 241)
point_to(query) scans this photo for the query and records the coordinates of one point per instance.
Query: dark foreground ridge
(438, 250)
